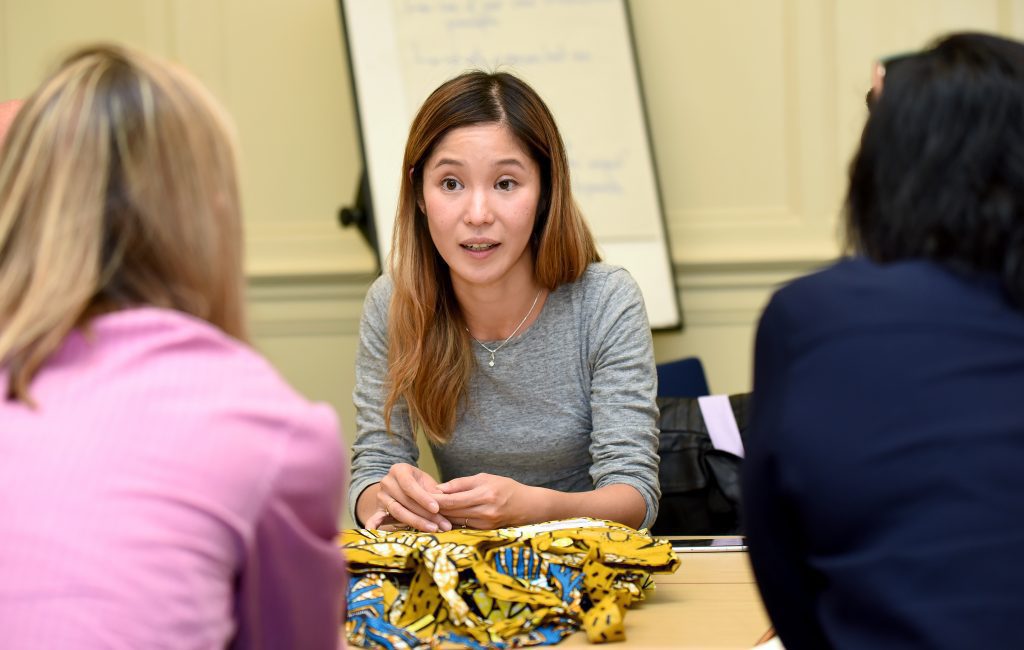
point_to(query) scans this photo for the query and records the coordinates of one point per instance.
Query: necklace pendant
(514, 332)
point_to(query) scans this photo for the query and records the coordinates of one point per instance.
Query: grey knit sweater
(569, 404)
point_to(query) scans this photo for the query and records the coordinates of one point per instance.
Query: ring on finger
(387, 509)
(465, 524)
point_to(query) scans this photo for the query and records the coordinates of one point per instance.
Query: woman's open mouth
(480, 247)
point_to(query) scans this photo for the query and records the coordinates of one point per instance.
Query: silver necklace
(495, 349)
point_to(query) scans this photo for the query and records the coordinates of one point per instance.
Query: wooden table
(711, 601)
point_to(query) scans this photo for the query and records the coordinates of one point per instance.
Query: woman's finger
(431, 523)
(387, 503)
(411, 485)
(375, 521)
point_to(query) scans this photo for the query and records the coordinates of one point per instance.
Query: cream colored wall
(755, 107)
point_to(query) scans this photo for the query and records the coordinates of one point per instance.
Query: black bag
(700, 485)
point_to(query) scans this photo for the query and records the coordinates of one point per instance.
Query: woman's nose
(479, 210)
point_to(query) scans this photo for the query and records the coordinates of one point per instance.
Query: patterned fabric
(507, 588)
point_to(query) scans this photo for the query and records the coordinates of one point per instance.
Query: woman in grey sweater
(500, 335)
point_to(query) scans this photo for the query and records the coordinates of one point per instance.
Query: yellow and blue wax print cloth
(505, 588)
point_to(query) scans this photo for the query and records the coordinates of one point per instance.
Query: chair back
(682, 378)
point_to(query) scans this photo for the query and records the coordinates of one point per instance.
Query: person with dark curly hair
(883, 482)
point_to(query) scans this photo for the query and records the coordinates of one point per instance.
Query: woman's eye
(505, 184)
(450, 184)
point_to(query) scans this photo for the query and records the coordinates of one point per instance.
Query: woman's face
(480, 193)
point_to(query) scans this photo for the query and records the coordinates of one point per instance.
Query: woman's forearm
(617, 502)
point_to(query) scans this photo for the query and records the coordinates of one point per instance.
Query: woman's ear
(8, 110)
(419, 195)
(877, 79)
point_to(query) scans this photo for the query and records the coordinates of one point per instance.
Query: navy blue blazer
(884, 477)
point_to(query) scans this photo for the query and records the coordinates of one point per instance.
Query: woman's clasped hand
(409, 497)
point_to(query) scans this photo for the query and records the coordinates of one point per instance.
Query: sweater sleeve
(374, 450)
(624, 439)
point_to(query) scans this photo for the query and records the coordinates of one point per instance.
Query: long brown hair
(117, 188)
(430, 359)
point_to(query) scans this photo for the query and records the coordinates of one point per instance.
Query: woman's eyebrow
(509, 161)
(497, 163)
(448, 161)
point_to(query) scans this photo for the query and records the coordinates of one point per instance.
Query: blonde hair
(430, 359)
(117, 189)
